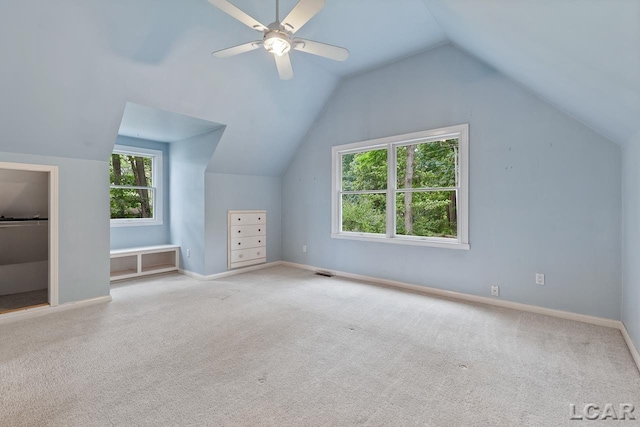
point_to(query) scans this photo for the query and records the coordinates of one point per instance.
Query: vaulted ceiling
(69, 67)
(583, 56)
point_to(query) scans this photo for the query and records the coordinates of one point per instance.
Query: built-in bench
(135, 262)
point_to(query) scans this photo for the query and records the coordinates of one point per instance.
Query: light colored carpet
(23, 299)
(283, 347)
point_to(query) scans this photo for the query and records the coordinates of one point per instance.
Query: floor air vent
(324, 273)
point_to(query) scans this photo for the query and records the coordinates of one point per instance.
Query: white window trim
(461, 132)
(156, 183)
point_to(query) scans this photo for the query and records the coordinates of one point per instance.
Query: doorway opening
(28, 236)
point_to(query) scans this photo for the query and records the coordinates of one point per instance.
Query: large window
(410, 189)
(135, 190)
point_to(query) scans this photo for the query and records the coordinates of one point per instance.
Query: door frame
(53, 220)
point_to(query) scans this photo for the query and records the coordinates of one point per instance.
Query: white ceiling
(68, 68)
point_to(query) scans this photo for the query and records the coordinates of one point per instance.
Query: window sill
(134, 223)
(404, 241)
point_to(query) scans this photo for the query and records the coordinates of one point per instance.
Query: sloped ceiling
(69, 67)
(375, 31)
(583, 56)
(139, 121)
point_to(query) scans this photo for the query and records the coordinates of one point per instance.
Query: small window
(409, 189)
(135, 186)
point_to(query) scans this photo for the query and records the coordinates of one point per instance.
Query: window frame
(460, 132)
(156, 186)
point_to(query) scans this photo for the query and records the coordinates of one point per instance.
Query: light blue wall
(83, 224)
(130, 237)
(544, 189)
(188, 160)
(631, 238)
(239, 192)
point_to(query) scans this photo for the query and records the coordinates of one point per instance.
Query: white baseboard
(42, 311)
(632, 347)
(600, 321)
(616, 324)
(191, 274)
(231, 272)
(594, 320)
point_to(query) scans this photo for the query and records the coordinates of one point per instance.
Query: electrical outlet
(304, 248)
(539, 279)
(495, 291)
(188, 253)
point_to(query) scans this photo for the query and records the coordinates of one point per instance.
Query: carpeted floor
(283, 347)
(23, 300)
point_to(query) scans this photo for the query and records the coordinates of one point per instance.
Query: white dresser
(247, 231)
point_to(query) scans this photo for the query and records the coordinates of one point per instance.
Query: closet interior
(24, 239)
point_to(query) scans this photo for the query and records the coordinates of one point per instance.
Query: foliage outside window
(407, 189)
(135, 196)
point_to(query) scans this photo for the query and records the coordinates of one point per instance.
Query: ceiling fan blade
(302, 13)
(241, 16)
(237, 50)
(321, 49)
(285, 70)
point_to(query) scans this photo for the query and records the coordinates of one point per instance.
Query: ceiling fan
(278, 36)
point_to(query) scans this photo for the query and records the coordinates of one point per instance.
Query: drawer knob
(259, 241)
(239, 255)
(259, 218)
(238, 219)
(259, 229)
(258, 253)
(239, 231)
(239, 243)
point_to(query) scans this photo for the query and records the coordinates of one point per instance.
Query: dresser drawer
(248, 242)
(247, 263)
(248, 219)
(247, 254)
(247, 231)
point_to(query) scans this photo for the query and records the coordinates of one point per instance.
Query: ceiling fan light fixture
(277, 43)
(278, 37)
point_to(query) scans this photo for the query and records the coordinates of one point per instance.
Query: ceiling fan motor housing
(277, 40)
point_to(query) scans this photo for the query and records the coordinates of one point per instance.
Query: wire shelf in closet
(22, 222)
